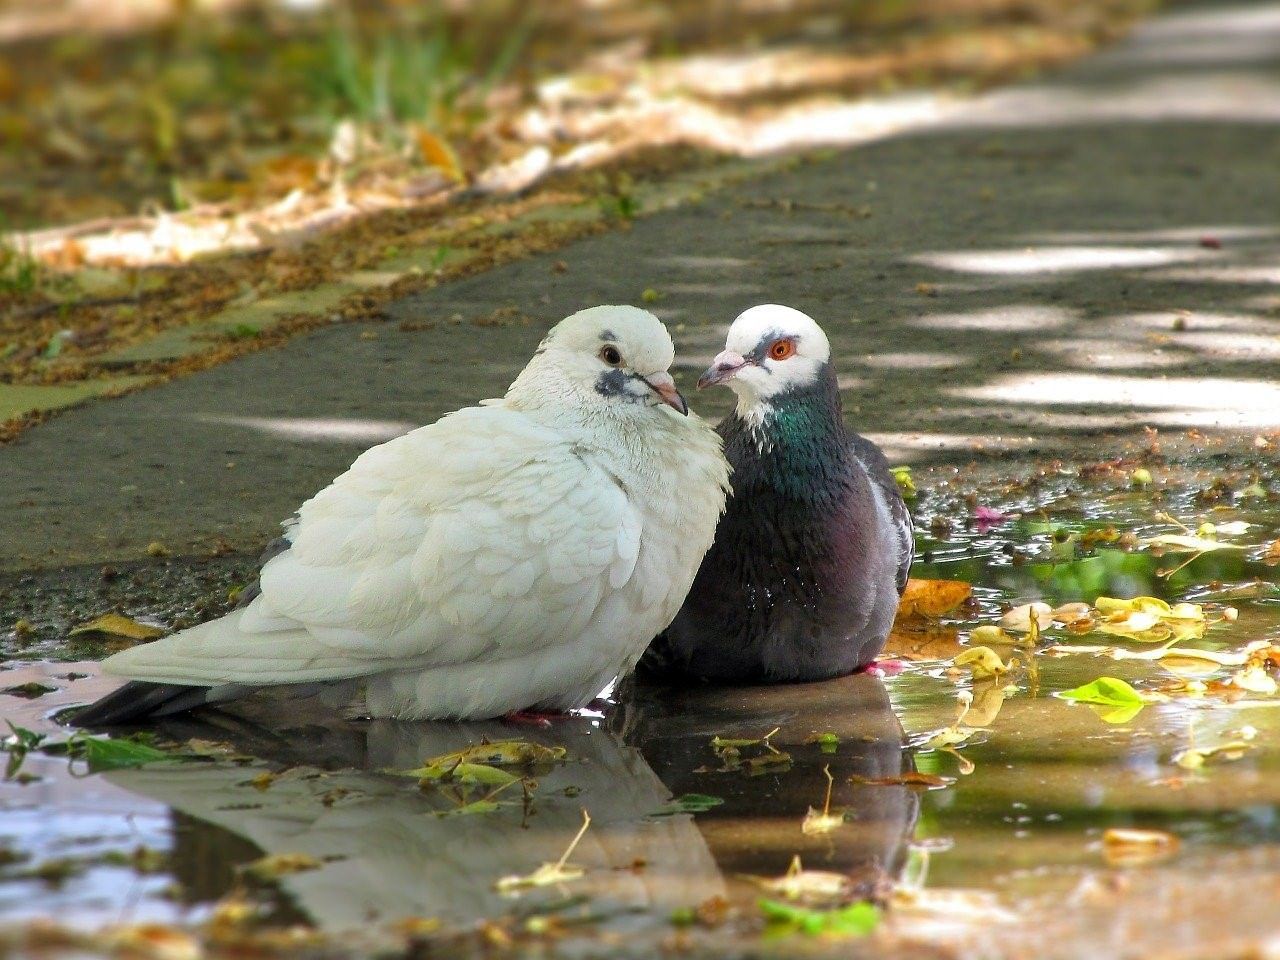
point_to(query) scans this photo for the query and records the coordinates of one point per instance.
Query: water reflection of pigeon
(757, 830)
(512, 555)
(385, 853)
(803, 579)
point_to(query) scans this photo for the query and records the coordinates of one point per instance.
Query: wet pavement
(998, 850)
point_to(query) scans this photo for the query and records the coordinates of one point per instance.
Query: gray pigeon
(802, 582)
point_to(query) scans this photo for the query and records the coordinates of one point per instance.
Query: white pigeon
(515, 555)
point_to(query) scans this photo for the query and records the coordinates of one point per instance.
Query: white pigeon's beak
(723, 369)
(665, 387)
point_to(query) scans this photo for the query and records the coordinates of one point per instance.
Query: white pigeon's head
(770, 350)
(614, 358)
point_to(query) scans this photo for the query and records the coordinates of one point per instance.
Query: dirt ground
(1036, 273)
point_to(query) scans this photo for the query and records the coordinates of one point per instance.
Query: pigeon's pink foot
(534, 718)
(885, 668)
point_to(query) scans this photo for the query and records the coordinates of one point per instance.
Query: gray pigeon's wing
(874, 462)
(276, 547)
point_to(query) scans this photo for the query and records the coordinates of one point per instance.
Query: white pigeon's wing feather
(483, 535)
(222, 651)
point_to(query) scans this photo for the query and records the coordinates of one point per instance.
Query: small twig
(564, 858)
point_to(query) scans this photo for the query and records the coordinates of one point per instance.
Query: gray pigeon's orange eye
(782, 349)
(610, 355)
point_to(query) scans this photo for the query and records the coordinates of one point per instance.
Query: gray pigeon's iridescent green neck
(799, 439)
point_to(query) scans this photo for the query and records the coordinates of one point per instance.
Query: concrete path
(1036, 268)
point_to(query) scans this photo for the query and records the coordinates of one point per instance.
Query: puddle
(996, 855)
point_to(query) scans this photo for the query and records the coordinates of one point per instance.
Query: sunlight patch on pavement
(1262, 273)
(1055, 259)
(1183, 401)
(1192, 234)
(1111, 355)
(922, 360)
(1197, 321)
(1017, 316)
(1233, 346)
(1048, 419)
(318, 430)
(1221, 96)
(904, 447)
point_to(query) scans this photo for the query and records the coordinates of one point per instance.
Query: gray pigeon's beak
(725, 366)
(665, 387)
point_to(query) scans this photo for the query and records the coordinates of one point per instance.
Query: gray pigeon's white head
(611, 358)
(770, 350)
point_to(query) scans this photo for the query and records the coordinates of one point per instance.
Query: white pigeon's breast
(680, 503)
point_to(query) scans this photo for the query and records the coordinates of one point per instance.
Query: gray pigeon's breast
(790, 593)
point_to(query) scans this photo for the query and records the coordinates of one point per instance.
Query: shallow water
(1017, 830)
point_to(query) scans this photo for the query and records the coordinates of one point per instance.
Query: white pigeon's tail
(219, 652)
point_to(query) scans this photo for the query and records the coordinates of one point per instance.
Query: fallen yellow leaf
(548, 873)
(807, 885)
(117, 625)
(1193, 758)
(1131, 847)
(437, 153)
(989, 633)
(267, 869)
(983, 662)
(822, 821)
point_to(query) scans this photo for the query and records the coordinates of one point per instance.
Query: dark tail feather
(660, 666)
(139, 700)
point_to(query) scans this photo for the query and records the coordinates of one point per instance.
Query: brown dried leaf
(1272, 556)
(928, 599)
(912, 778)
(927, 642)
(154, 941)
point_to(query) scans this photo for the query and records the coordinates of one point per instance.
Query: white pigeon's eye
(610, 355)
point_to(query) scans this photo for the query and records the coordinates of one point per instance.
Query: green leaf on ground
(29, 691)
(103, 754)
(478, 763)
(856, 920)
(827, 742)
(1123, 703)
(468, 773)
(1108, 691)
(689, 803)
(467, 809)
